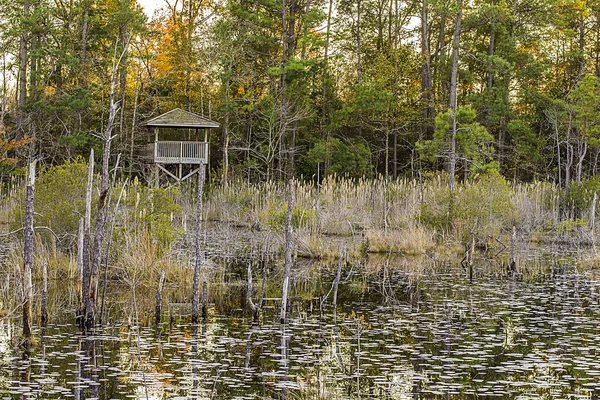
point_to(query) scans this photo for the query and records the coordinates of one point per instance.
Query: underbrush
(150, 230)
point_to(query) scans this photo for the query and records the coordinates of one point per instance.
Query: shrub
(154, 210)
(274, 217)
(481, 208)
(59, 198)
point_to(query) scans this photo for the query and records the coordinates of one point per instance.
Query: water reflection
(417, 335)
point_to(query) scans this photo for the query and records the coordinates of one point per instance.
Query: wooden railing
(180, 152)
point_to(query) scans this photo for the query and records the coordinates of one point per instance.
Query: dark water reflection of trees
(401, 333)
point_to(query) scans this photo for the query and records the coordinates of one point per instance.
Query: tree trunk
(225, 125)
(80, 252)
(82, 59)
(199, 251)
(44, 313)
(440, 53)
(288, 252)
(28, 252)
(102, 213)
(490, 78)
(325, 133)
(557, 140)
(85, 242)
(134, 122)
(358, 59)
(453, 92)
(110, 235)
(249, 289)
(426, 86)
(582, 151)
(23, 62)
(157, 313)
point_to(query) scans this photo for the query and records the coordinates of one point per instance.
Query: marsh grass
(419, 220)
(408, 216)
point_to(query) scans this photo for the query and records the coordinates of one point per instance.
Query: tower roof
(178, 118)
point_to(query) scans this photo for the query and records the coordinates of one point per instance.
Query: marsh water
(399, 333)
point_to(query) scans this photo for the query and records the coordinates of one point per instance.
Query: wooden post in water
(44, 317)
(199, 252)
(513, 251)
(161, 283)
(593, 221)
(28, 252)
(288, 252)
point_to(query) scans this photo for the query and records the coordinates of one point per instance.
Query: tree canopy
(312, 88)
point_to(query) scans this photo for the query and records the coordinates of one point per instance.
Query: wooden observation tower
(181, 149)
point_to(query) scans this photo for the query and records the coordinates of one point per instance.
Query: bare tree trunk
(199, 251)
(80, 252)
(453, 92)
(490, 79)
(440, 53)
(85, 243)
(558, 152)
(582, 151)
(28, 252)
(336, 284)
(249, 290)
(325, 133)
(102, 213)
(23, 62)
(108, 246)
(288, 252)
(82, 58)
(359, 59)
(204, 296)
(225, 176)
(44, 313)
(159, 291)
(133, 122)
(426, 86)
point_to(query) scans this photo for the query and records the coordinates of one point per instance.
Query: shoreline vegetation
(383, 229)
(407, 217)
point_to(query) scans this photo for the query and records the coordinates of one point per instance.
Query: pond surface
(406, 336)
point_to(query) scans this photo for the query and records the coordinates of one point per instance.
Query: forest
(309, 88)
(395, 199)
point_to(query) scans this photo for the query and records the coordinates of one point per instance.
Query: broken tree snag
(85, 243)
(199, 252)
(28, 252)
(102, 213)
(336, 281)
(161, 283)
(513, 251)
(204, 297)
(249, 290)
(288, 252)
(80, 236)
(471, 255)
(44, 317)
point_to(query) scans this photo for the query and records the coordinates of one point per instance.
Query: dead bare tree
(44, 313)
(288, 252)
(453, 92)
(91, 289)
(159, 291)
(28, 253)
(83, 242)
(199, 253)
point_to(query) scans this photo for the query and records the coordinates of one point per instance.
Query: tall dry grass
(404, 215)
